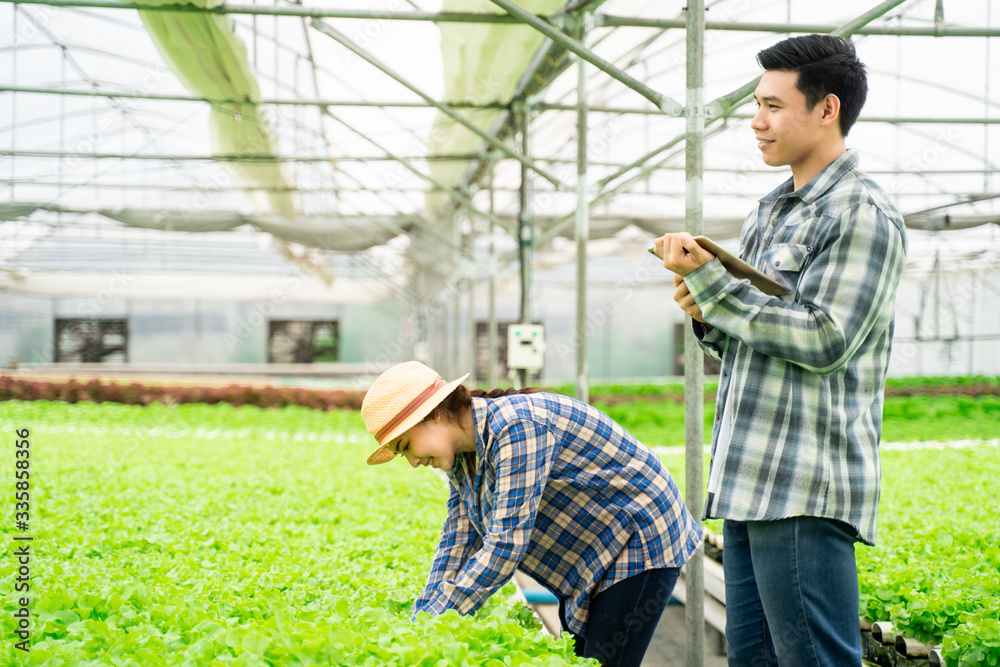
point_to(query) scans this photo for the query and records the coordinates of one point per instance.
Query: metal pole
(258, 157)
(294, 11)
(972, 325)
(454, 351)
(264, 100)
(470, 284)
(694, 370)
(421, 351)
(939, 30)
(13, 98)
(602, 20)
(491, 368)
(723, 106)
(525, 226)
(557, 225)
(454, 194)
(603, 183)
(440, 106)
(582, 224)
(986, 107)
(546, 66)
(664, 103)
(411, 322)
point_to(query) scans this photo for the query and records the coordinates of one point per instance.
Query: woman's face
(432, 443)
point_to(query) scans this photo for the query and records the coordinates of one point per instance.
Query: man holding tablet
(795, 463)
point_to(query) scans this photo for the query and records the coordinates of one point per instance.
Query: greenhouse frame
(324, 189)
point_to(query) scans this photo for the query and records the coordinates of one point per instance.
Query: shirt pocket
(785, 261)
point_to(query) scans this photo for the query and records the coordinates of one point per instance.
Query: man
(795, 463)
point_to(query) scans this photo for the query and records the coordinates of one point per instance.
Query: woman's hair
(459, 401)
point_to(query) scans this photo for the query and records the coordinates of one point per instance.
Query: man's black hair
(825, 64)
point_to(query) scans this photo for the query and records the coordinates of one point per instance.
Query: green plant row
(162, 528)
(935, 571)
(615, 392)
(944, 381)
(15, 387)
(910, 418)
(214, 535)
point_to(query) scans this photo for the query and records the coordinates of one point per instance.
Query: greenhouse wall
(629, 329)
(186, 331)
(947, 323)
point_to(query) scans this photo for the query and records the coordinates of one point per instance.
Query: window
(91, 341)
(302, 341)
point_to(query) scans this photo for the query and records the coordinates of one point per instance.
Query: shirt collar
(480, 409)
(820, 183)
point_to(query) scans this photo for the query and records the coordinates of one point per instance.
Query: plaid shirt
(561, 492)
(799, 413)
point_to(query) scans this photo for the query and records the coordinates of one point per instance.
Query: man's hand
(687, 303)
(681, 253)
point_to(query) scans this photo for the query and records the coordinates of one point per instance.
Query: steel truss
(567, 42)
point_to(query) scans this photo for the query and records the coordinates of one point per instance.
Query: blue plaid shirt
(561, 492)
(799, 412)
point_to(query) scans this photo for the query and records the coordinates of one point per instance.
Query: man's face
(787, 133)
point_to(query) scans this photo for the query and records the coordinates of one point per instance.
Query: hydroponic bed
(213, 535)
(935, 572)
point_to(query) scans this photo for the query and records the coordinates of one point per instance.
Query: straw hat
(398, 400)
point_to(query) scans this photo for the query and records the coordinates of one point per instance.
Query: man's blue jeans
(791, 593)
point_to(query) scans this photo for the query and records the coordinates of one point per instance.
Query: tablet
(739, 269)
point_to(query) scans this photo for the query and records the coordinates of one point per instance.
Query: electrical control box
(525, 346)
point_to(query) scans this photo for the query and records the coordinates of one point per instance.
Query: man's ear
(831, 109)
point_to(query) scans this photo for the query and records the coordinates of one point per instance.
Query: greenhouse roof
(404, 127)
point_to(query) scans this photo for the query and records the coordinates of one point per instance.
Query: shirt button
(774, 223)
(778, 263)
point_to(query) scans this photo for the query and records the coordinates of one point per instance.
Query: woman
(546, 484)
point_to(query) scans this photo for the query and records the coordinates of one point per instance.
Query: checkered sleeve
(458, 540)
(712, 343)
(524, 456)
(841, 293)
